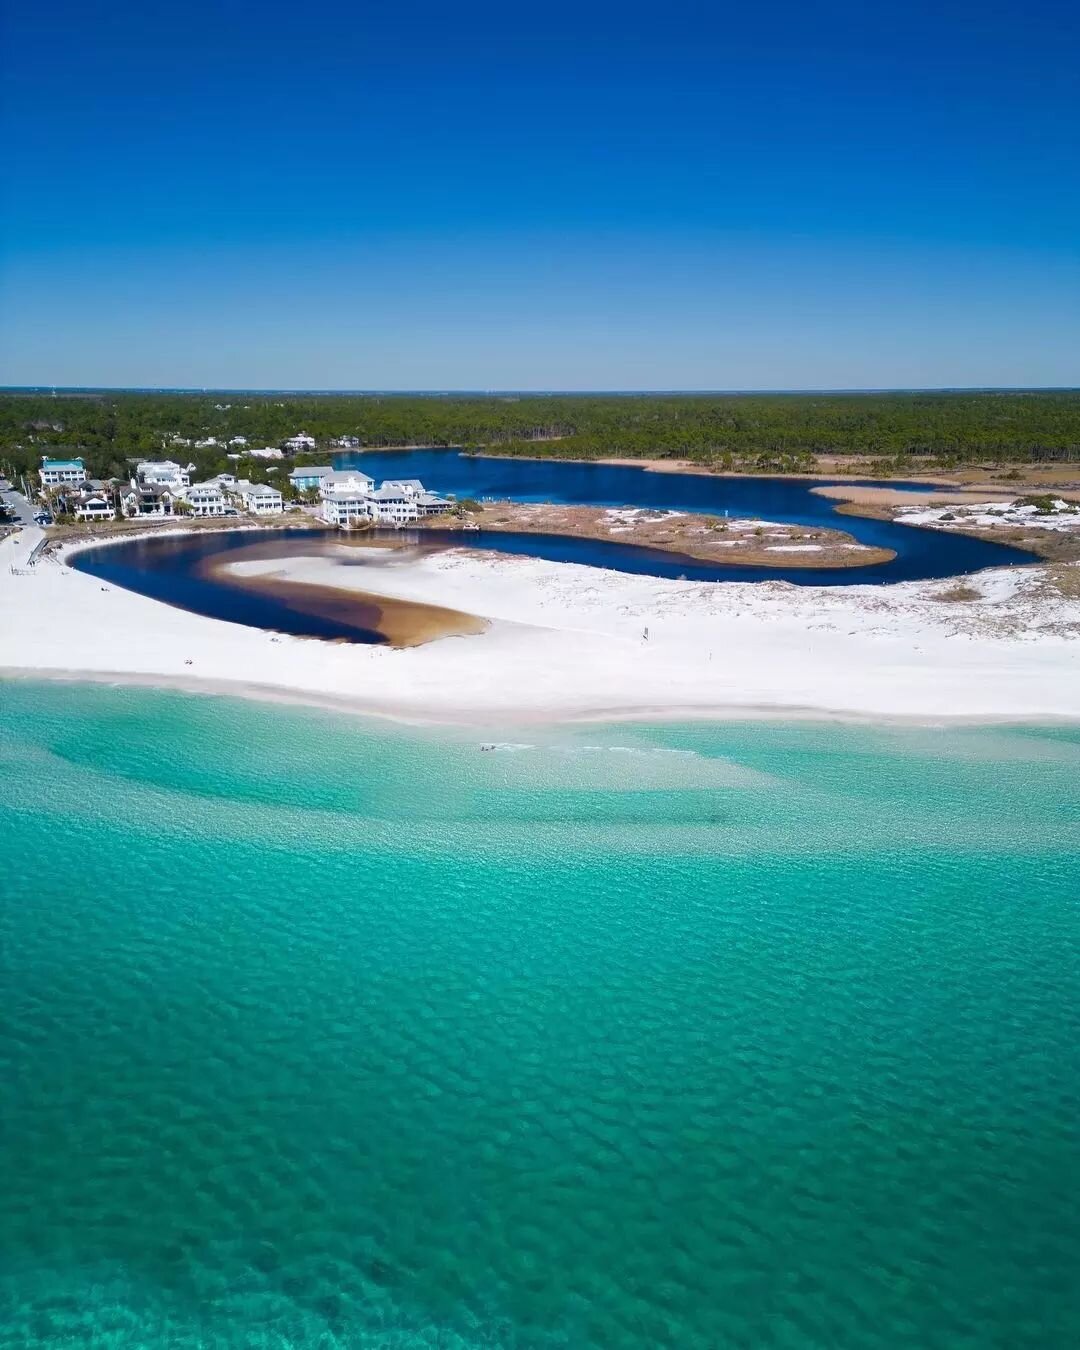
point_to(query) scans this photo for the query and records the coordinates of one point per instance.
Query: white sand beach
(567, 642)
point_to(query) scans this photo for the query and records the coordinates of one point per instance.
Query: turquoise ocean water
(319, 1032)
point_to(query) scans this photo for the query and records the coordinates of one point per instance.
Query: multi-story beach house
(351, 480)
(344, 506)
(400, 500)
(392, 504)
(260, 499)
(349, 497)
(300, 443)
(94, 501)
(57, 472)
(152, 501)
(165, 472)
(205, 499)
(308, 478)
(345, 496)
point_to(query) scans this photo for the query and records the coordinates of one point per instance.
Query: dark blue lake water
(920, 554)
(173, 570)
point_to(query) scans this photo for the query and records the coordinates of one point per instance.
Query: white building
(393, 505)
(345, 495)
(267, 452)
(298, 444)
(350, 479)
(408, 499)
(238, 440)
(164, 471)
(55, 472)
(349, 497)
(205, 499)
(94, 502)
(258, 498)
(345, 506)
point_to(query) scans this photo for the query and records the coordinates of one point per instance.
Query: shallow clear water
(320, 1032)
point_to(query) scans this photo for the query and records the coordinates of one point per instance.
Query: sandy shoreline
(565, 642)
(481, 720)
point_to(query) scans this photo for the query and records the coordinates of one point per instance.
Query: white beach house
(344, 506)
(166, 472)
(349, 497)
(260, 499)
(393, 505)
(205, 499)
(401, 500)
(300, 443)
(345, 496)
(55, 472)
(351, 480)
(91, 500)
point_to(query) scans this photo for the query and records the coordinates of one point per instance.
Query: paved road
(24, 512)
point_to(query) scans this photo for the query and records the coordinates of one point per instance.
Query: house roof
(312, 471)
(149, 492)
(61, 463)
(341, 493)
(337, 477)
(390, 492)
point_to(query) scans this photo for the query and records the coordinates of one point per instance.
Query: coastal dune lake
(182, 572)
(920, 554)
(321, 1033)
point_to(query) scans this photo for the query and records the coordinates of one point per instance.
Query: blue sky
(574, 196)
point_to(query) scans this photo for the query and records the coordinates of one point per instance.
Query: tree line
(739, 431)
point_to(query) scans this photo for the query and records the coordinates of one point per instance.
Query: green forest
(892, 432)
